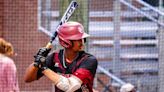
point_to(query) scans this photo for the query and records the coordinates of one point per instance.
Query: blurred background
(127, 37)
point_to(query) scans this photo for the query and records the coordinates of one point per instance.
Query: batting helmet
(70, 31)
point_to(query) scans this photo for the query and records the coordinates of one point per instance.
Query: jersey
(84, 67)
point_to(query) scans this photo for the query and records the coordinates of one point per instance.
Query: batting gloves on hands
(43, 51)
(40, 58)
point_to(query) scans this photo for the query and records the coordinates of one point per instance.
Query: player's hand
(40, 57)
(43, 51)
(43, 64)
(40, 62)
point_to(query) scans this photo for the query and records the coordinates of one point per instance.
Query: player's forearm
(65, 84)
(54, 77)
(31, 73)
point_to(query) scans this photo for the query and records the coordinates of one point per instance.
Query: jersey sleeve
(87, 69)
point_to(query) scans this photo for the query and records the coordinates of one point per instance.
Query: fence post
(116, 24)
(161, 50)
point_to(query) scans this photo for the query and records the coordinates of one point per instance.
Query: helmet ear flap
(65, 43)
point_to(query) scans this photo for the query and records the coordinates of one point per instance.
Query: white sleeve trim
(70, 84)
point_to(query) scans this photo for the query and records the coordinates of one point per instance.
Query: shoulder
(89, 63)
(90, 57)
(89, 60)
(8, 63)
(51, 56)
(6, 60)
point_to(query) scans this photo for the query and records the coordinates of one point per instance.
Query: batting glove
(43, 51)
(40, 57)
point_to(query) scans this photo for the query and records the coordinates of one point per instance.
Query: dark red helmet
(70, 31)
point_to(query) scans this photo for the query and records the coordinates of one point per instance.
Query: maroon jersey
(84, 67)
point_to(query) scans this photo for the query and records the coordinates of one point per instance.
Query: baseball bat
(71, 8)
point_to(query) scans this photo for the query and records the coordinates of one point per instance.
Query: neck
(70, 55)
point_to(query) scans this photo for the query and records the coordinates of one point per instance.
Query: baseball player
(71, 69)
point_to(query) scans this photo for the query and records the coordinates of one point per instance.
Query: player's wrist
(44, 68)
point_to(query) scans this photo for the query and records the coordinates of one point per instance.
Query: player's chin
(81, 48)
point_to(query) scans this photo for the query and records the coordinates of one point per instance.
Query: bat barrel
(73, 5)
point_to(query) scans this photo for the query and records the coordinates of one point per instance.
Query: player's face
(78, 45)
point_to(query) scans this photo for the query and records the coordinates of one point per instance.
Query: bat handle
(49, 45)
